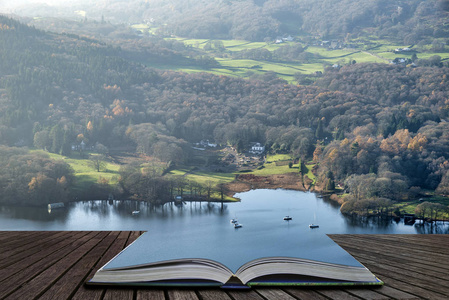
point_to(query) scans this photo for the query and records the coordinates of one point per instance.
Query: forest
(378, 130)
(407, 21)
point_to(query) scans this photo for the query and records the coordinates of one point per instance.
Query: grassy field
(272, 169)
(409, 206)
(85, 172)
(206, 179)
(278, 157)
(310, 174)
(378, 51)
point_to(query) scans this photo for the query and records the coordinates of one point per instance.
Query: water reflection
(433, 227)
(370, 222)
(263, 210)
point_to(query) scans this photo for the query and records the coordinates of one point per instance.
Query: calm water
(261, 212)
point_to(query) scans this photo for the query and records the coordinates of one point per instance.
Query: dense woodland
(407, 21)
(379, 130)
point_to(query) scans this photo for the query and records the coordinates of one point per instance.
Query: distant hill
(407, 21)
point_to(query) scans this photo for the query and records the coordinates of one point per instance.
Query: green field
(377, 51)
(278, 157)
(272, 169)
(310, 174)
(206, 179)
(84, 171)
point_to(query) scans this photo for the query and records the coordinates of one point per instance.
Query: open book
(173, 263)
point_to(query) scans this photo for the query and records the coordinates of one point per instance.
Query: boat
(287, 218)
(136, 211)
(237, 225)
(314, 225)
(233, 221)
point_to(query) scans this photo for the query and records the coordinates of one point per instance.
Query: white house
(257, 148)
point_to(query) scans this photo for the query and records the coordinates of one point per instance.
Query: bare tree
(98, 162)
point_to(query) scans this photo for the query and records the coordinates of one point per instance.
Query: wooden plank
(20, 241)
(23, 275)
(148, 294)
(416, 241)
(419, 280)
(36, 257)
(244, 295)
(176, 294)
(270, 293)
(133, 236)
(40, 283)
(84, 292)
(305, 294)
(75, 276)
(420, 249)
(337, 294)
(437, 271)
(398, 255)
(396, 294)
(14, 236)
(35, 244)
(431, 273)
(117, 293)
(417, 277)
(404, 285)
(366, 294)
(213, 294)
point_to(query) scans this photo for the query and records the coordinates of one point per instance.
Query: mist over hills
(255, 20)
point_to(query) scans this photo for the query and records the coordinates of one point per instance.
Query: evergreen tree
(56, 135)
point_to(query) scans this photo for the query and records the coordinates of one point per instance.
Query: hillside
(380, 130)
(405, 21)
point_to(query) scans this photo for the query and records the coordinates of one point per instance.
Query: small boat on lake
(287, 218)
(135, 212)
(237, 225)
(233, 221)
(314, 225)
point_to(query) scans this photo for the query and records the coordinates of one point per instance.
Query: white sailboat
(136, 211)
(313, 225)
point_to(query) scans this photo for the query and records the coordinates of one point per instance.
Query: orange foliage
(397, 143)
(418, 142)
(90, 126)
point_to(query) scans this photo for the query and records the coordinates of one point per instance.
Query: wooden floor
(55, 265)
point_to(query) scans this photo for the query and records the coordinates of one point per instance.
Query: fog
(13, 4)
(28, 7)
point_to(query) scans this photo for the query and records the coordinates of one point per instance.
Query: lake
(261, 212)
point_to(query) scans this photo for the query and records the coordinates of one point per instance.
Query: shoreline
(246, 182)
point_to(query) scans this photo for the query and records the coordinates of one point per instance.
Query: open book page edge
(378, 282)
(303, 267)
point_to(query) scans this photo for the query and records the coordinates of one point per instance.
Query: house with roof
(257, 148)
